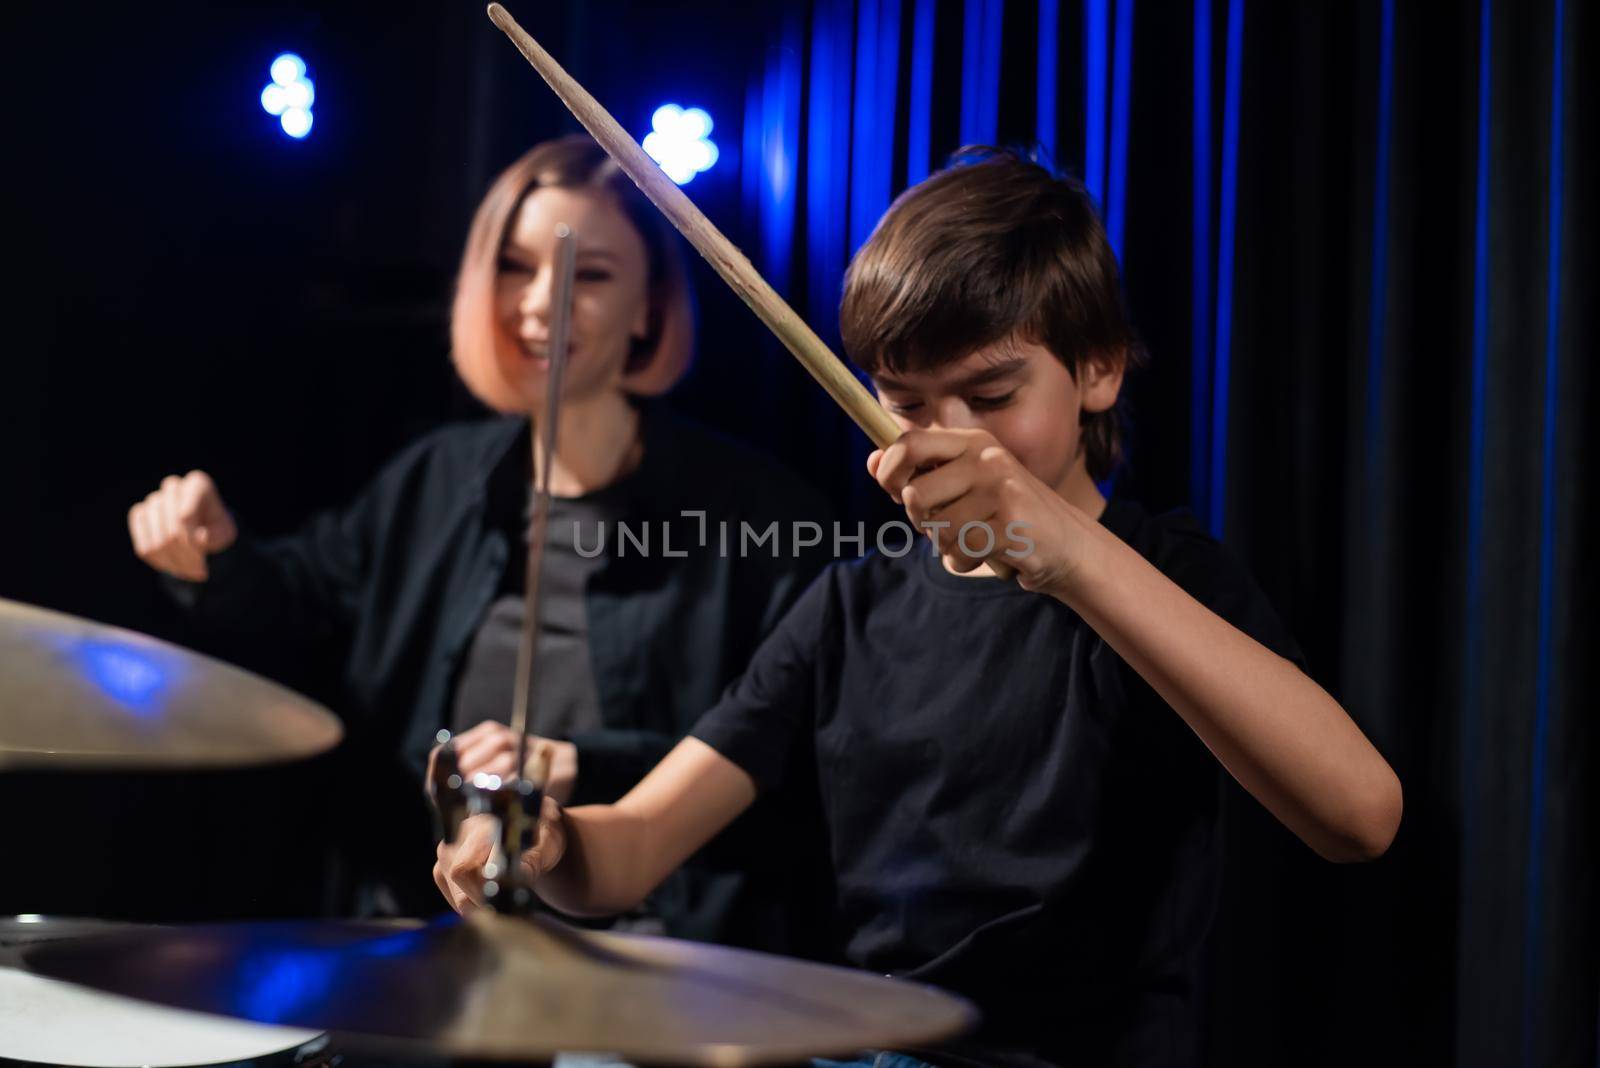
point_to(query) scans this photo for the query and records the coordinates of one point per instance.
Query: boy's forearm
(616, 854)
(599, 874)
(1276, 731)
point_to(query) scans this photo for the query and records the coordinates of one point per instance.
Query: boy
(1014, 776)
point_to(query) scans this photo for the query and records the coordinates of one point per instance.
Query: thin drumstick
(724, 257)
(543, 464)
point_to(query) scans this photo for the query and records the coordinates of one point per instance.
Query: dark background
(1372, 384)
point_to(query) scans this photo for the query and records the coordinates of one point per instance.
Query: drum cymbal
(508, 988)
(50, 1022)
(76, 694)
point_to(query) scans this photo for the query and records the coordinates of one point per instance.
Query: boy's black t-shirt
(1012, 813)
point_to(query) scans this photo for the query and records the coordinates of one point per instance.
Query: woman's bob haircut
(656, 362)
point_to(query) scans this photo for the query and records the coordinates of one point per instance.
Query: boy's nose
(953, 413)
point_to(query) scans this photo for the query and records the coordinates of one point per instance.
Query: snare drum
(48, 1022)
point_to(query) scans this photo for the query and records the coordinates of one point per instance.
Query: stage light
(696, 123)
(299, 94)
(680, 142)
(289, 95)
(296, 122)
(288, 69)
(274, 98)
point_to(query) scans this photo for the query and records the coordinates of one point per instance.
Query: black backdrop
(1381, 401)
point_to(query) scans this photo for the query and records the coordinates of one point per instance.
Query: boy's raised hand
(977, 502)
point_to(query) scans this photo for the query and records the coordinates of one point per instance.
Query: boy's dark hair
(993, 247)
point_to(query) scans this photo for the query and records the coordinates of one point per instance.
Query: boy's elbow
(1373, 820)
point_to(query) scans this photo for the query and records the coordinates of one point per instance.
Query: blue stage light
(288, 69)
(289, 95)
(300, 94)
(666, 117)
(274, 98)
(296, 122)
(696, 123)
(680, 142)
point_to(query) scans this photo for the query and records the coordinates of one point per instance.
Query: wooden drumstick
(538, 771)
(734, 267)
(724, 257)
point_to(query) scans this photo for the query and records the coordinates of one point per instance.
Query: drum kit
(511, 986)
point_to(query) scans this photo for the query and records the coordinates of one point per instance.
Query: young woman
(417, 584)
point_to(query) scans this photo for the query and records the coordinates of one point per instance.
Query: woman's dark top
(564, 701)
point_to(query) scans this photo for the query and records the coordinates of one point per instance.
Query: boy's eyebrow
(995, 371)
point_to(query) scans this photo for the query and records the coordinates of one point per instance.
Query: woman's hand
(179, 524)
(458, 867)
(490, 748)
